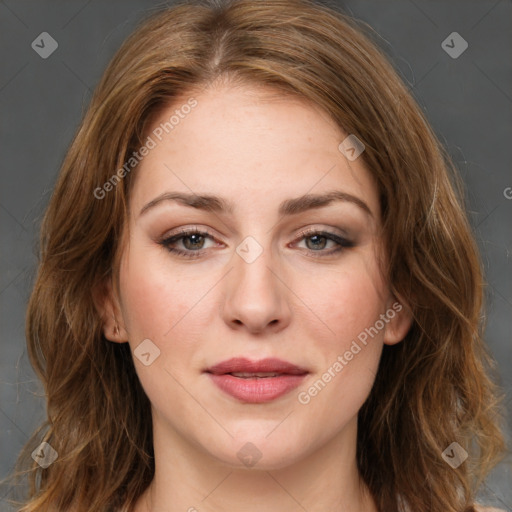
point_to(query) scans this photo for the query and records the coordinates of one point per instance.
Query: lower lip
(256, 390)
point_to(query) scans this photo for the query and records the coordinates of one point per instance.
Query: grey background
(468, 100)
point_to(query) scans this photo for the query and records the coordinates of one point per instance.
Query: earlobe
(400, 320)
(108, 309)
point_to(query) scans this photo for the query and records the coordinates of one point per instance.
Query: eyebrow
(288, 207)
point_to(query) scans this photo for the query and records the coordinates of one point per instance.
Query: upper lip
(242, 364)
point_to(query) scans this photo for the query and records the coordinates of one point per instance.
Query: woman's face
(252, 284)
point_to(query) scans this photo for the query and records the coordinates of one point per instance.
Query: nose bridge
(254, 266)
(255, 295)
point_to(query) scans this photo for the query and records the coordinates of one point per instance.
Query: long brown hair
(432, 389)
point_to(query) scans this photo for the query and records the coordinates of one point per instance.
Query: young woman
(258, 288)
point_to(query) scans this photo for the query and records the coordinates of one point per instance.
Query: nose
(256, 295)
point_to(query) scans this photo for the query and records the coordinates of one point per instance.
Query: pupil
(191, 237)
(318, 237)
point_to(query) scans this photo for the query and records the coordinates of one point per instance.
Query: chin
(257, 452)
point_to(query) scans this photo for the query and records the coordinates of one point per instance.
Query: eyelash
(343, 243)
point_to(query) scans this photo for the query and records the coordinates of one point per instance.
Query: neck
(187, 478)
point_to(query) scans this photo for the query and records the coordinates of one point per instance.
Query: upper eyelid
(302, 234)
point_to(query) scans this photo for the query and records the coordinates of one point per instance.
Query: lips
(256, 381)
(269, 366)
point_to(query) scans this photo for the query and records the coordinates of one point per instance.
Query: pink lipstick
(256, 381)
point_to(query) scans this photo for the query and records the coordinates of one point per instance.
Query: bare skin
(300, 300)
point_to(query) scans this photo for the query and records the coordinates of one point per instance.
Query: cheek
(156, 299)
(350, 357)
(348, 301)
(168, 307)
(349, 304)
(159, 306)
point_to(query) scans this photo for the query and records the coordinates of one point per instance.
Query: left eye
(193, 242)
(319, 239)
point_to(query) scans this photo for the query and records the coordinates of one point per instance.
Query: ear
(400, 320)
(107, 306)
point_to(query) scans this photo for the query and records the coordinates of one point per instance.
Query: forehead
(248, 144)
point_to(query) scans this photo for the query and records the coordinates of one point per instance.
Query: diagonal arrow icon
(249, 249)
(454, 455)
(44, 455)
(351, 147)
(44, 45)
(454, 45)
(146, 352)
(249, 454)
